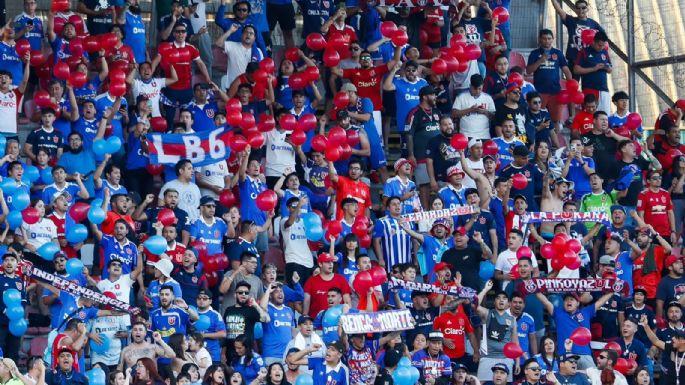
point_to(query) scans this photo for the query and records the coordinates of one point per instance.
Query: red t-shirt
(349, 35)
(184, 70)
(491, 56)
(176, 255)
(347, 188)
(60, 223)
(318, 288)
(655, 206)
(651, 280)
(368, 82)
(121, 54)
(583, 122)
(454, 327)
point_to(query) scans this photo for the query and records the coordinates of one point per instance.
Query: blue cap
(500, 366)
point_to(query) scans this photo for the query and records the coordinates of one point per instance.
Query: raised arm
(559, 9)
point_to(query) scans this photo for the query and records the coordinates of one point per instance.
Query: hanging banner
(377, 322)
(460, 292)
(73, 288)
(413, 3)
(573, 285)
(201, 148)
(538, 217)
(435, 214)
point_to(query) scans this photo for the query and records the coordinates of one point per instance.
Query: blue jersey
(432, 252)
(452, 198)
(102, 102)
(588, 58)
(346, 267)
(236, 248)
(70, 310)
(127, 253)
(203, 116)
(406, 98)
(525, 325)
(225, 23)
(168, 322)
(497, 211)
(250, 370)
(567, 323)
(87, 128)
(314, 14)
(190, 284)
(134, 30)
(100, 193)
(153, 291)
(136, 158)
(532, 173)
(616, 121)
(7, 283)
(533, 120)
(278, 331)
(61, 50)
(211, 234)
(302, 193)
(34, 36)
(324, 375)
(439, 366)
(11, 62)
(51, 190)
(89, 91)
(395, 242)
(483, 224)
(547, 77)
(249, 189)
(624, 269)
(394, 187)
(575, 27)
(216, 324)
(505, 150)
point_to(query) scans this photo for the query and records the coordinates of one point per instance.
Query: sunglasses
(365, 57)
(535, 369)
(180, 31)
(242, 292)
(241, 9)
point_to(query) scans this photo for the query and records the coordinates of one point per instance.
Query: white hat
(164, 266)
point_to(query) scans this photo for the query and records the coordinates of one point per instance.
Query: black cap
(520, 150)
(426, 90)
(303, 319)
(392, 358)
(417, 293)
(337, 345)
(457, 366)
(204, 292)
(500, 366)
(569, 357)
(205, 200)
(674, 304)
(520, 196)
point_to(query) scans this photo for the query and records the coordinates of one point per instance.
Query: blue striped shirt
(395, 242)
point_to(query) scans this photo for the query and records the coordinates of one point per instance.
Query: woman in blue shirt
(248, 363)
(548, 358)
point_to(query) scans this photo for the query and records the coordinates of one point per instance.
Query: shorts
(549, 101)
(389, 104)
(283, 14)
(421, 174)
(377, 157)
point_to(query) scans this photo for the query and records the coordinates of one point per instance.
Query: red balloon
(378, 275)
(292, 54)
(337, 136)
(501, 14)
(260, 76)
(547, 251)
(212, 278)
(559, 245)
(614, 346)
(587, 36)
(564, 97)
(332, 153)
(519, 181)
(388, 29)
(108, 40)
(78, 79)
(311, 74)
(158, 124)
(227, 198)
(79, 211)
(77, 21)
(365, 241)
(345, 151)
(399, 38)
(578, 97)
(247, 120)
(473, 51)
(234, 117)
(574, 245)
(59, 25)
(117, 76)
(76, 46)
(459, 141)
(30, 215)
(334, 228)
(457, 39)
(266, 200)
(266, 123)
(581, 336)
(92, 44)
(341, 100)
(37, 58)
(523, 252)
(41, 98)
(315, 41)
(512, 350)
(360, 229)
(298, 137)
(568, 257)
(667, 162)
(200, 246)
(363, 281)
(352, 137)
(516, 78)
(633, 120)
(439, 66)
(73, 61)
(319, 143)
(267, 65)
(452, 64)
(306, 122)
(61, 70)
(60, 6)
(574, 264)
(572, 85)
(287, 122)
(622, 366)
(238, 143)
(426, 52)
(154, 169)
(557, 263)
(256, 140)
(117, 89)
(423, 37)
(22, 46)
(515, 272)
(297, 81)
(331, 58)
(490, 148)
(336, 41)
(233, 105)
(166, 217)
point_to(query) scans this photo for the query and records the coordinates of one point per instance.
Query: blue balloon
(311, 220)
(332, 316)
(77, 233)
(97, 202)
(156, 244)
(96, 376)
(15, 312)
(100, 348)
(415, 375)
(9, 186)
(46, 175)
(31, 173)
(487, 270)
(11, 297)
(100, 147)
(113, 144)
(202, 323)
(314, 234)
(404, 361)
(304, 379)
(402, 376)
(331, 336)
(96, 215)
(18, 327)
(258, 331)
(193, 308)
(14, 219)
(3, 143)
(48, 250)
(19, 200)
(74, 267)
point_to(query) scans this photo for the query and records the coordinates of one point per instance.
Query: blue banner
(201, 148)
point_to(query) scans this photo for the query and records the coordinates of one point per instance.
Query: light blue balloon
(48, 250)
(487, 270)
(11, 297)
(18, 327)
(31, 173)
(311, 220)
(9, 186)
(96, 215)
(258, 331)
(3, 143)
(113, 144)
(100, 147)
(332, 316)
(97, 202)
(96, 376)
(19, 200)
(314, 234)
(77, 233)
(156, 244)
(46, 175)
(304, 379)
(202, 323)
(14, 219)
(415, 375)
(404, 361)
(100, 348)
(15, 312)
(74, 267)
(402, 376)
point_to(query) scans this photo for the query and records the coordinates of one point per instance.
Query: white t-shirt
(478, 167)
(151, 90)
(9, 107)
(121, 287)
(506, 261)
(214, 175)
(474, 125)
(188, 197)
(39, 233)
(280, 155)
(199, 19)
(108, 326)
(238, 57)
(295, 244)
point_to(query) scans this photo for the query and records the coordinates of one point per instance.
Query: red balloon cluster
(213, 263)
(571, 94)
(365, 280)
(562, 251)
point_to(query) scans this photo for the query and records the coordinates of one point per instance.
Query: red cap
(325, 257)
(442, 265)
(461, 230)
(671, 259)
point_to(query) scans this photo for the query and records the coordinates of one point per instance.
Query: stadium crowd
(244, 203)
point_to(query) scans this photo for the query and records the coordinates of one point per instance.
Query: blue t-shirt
(100, 192)
(323, 375)
(575, 27)
(567, 323)
(168, 322)
(203, 117)
(277, 332)
(506, 150)
(588, 58)
(432, 251)
(72, 190)
(89, 91)
(249, 189)
(525, 325)
(11, 62)
(577, 174)
(547, 77)
(135, 156)
(250, 370)
(314, 14)
(34, 36)
(533, 174)
(301, 193)
(103, 102)
(87, 128)
(134, 30)
(535, 119)
(216, 323)
(211, 234)
(406, 98)
(83, 163)
(126, 253)
(624, 269)
(394, 187)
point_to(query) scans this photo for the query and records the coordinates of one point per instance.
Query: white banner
(382, 321)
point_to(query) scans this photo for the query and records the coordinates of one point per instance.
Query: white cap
(165, 266)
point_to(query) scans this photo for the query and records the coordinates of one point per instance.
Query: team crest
(554, 56)
(55, 139)
(194, 279)
(82, 315)
(210, 113)
(172, 320)
(19, 285)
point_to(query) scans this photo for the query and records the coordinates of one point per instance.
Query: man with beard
(117, 246)
(10, 280)
(672, 286)
(648, 262)
(455, 325)
(440, 155)
(65, 373)
(406, 96)
(433, 245)
(500, 328)
(78, 163)
(189, 277)
(568, 371)
(606, 361)
(465, 259)
(61, 186)
(170, 201)
(329, 371)
(525, 325)
(172, 316)
(241, 317)
(512, 110)
(239, 52)
(279, 330)
(216, 332)
(245, 273)
(432, 362)
(139, 347)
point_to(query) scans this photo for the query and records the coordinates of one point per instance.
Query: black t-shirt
(97, 25)
(50, 141)
(239, 320)
(672, 356)
(424, 322)
(518, 115)
(467, 262)
(607, 316)
(604, 154)
(636, 184)
(443, 154)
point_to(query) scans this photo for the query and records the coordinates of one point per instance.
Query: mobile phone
(29, 22)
